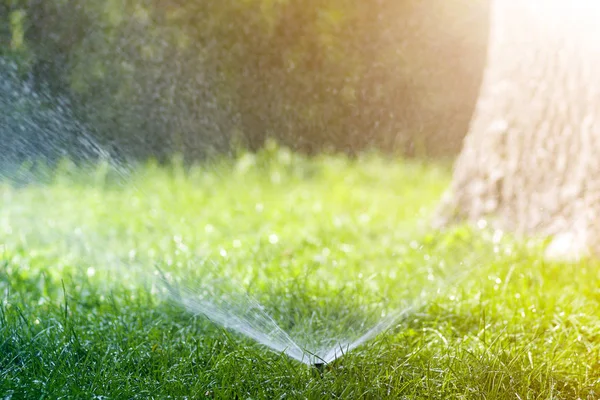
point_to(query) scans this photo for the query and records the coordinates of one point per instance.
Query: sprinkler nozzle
(319, 368)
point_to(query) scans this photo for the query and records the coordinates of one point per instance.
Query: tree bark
(531, 159)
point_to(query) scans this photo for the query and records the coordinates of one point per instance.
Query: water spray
(247, 317)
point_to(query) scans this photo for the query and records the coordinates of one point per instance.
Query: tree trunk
(531, 159)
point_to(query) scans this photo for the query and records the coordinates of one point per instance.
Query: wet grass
(324, 244)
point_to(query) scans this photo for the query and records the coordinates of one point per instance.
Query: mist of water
(38, 130)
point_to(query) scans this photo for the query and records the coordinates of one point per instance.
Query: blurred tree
(530, 159)
(157, 77)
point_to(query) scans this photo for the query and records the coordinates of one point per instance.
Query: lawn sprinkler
(319, 368)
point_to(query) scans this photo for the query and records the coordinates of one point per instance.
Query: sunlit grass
(321, 243)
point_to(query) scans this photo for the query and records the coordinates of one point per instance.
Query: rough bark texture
(531, 159)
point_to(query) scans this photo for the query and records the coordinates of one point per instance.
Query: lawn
(328, 247)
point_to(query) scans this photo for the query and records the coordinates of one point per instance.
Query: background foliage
(157, 77)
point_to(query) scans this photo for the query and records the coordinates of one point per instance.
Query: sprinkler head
(319, 368)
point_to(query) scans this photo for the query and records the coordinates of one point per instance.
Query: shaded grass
(321, 243)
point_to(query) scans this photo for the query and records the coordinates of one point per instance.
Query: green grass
(323, 244)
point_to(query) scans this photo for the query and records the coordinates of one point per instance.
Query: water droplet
(497, 237)
(223, 253)
(273, 238)
(364, 218)
(346, 248)
(276, 177)
(91, 272)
